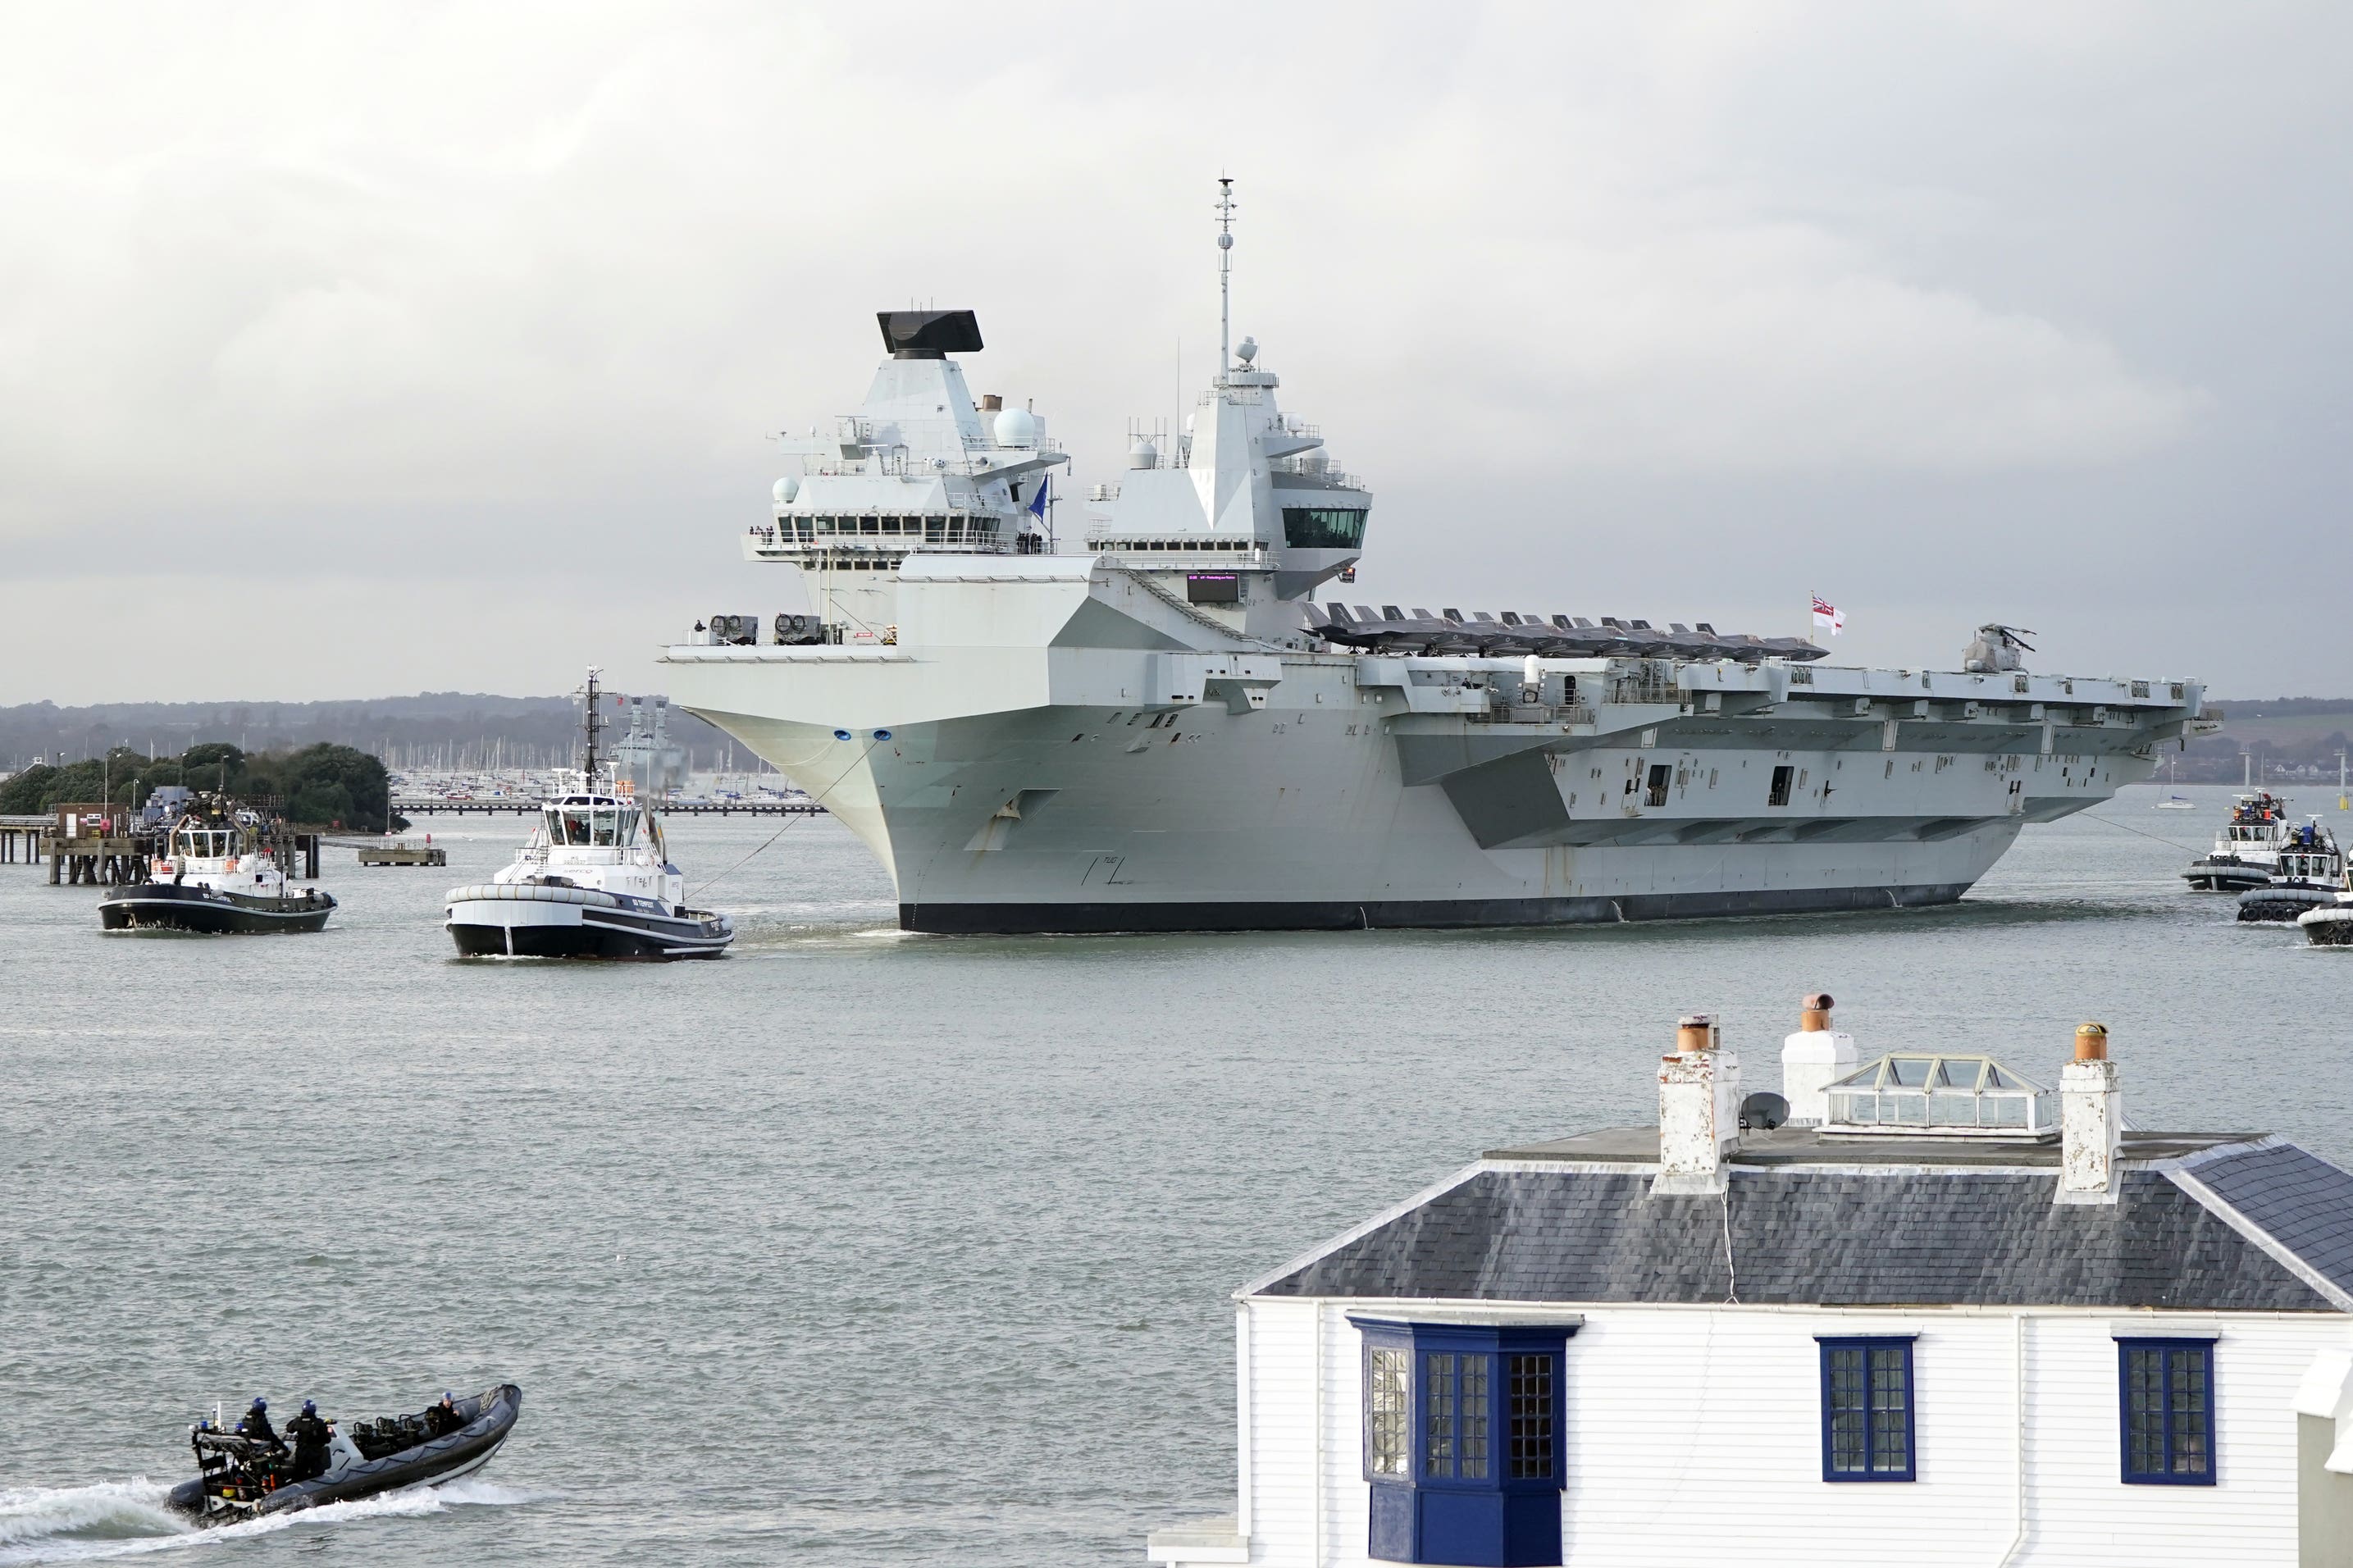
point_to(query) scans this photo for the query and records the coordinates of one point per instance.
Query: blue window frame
(1463, 1441)
(2165, 1398)
(1867, 1425)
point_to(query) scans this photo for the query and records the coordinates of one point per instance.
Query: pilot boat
(219, 876)
(2247, 851)
(595, 880)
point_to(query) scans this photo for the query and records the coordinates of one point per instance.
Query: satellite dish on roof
(1763, 1111)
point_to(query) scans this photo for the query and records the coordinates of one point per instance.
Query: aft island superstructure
(1164, 731)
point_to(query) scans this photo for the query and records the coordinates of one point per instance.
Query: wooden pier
(83, 849)
(20, 840)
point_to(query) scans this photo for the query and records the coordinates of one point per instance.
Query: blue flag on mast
(1038, 501)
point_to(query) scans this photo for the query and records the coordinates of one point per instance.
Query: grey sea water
(863, 1248)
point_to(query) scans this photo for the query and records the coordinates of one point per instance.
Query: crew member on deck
(257, 1424)
(444, 1417)
(310, 1436)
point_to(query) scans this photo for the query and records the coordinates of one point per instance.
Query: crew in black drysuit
(443, 1418)
(311, 1438)
(256, 1425)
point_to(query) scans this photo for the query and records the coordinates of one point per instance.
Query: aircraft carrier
(1166, 730)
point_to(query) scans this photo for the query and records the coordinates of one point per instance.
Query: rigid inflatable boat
(243, 1478)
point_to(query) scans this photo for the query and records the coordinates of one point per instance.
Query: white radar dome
(1247, 350)
(1143, 454)
(1016, 427)
(786, 488)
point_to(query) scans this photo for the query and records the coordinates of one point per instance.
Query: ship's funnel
(929, 334)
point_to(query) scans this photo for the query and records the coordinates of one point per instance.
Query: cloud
(473, 293)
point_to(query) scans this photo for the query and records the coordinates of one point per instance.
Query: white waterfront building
(1948, 1312)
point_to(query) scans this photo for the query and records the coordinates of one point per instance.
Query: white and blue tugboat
(2246, 853)
(594, 881)
(2307, 875)
(220, 876)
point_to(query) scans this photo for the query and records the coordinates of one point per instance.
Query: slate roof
(2206, 1233)
(2302, 1202)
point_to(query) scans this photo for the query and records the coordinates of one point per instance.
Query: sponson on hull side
(1166, 732)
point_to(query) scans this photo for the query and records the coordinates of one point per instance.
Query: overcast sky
(350, 351)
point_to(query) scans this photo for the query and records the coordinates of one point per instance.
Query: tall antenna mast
(1225, 270)
(590, 725)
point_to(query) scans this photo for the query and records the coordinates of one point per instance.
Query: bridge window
(1323, 527)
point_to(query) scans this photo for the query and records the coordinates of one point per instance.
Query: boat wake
(117, 1519)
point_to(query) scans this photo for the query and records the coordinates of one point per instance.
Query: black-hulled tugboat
(2308, 874)
(249, 1470)
(220, 874)
(2247, 850)
(594, 881)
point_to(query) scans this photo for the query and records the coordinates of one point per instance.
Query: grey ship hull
(979, 918)
(1331, 792)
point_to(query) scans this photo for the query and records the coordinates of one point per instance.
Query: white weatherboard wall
(1694, 1437)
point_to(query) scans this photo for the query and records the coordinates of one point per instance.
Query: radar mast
(590, 723)
(1225, 270)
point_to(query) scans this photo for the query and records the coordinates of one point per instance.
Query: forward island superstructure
(1164, 732)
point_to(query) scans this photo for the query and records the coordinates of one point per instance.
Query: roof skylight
(1941, 1096)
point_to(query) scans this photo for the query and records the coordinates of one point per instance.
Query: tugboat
(2330, 924)
(2309, 874)
(240, 1476)
(2248, 850)
(594, 881)
(220, 875)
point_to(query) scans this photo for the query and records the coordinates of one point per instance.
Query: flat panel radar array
(929, 334)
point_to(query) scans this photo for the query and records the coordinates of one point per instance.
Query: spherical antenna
(1016, 428)
(786, 488)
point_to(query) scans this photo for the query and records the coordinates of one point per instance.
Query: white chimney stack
(2091, 1122)
(1699, 1110)
(1812, 1060)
